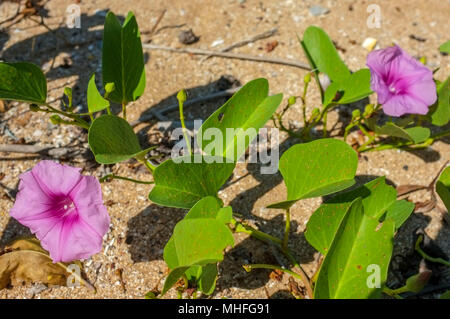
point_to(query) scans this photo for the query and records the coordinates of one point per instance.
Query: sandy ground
(131, 261)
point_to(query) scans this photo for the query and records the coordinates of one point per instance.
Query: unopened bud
(368, 109)
(55, 119)
(181, 96)
(307, 78)
(109, 87)
(292, 100)
(356, 113)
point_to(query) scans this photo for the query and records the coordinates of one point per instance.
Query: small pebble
(369, 44)
(317, 10)
(187, 37)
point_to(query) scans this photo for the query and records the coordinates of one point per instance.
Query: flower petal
(56, 179)
(402, 104)
(71, 239)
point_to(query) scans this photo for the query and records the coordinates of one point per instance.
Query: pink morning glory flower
(403, 84)
(64, 209)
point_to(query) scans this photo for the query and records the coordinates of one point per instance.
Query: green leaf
(208, 207)
(445, 47)
(322, 54)
(238, 120)
(399, 211)
(95, 100)
(184, 181)
(316, 169)
(360, 244)
(440, 111)
(172, 278)
(443, 187)
(123, 59)
(416, 134)
(377, 198)
(208, 278)
(354, 88)
(113, 140)
(197, 243)
(23, 82)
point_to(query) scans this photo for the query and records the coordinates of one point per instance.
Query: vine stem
(250, 267)
(181, 96)
(114, 176)
(124, 110)
(287, 229)
(425, 256)
(243, 228)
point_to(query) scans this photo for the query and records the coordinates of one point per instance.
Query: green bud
(307, 78)
(417, 282)
(181, 96)
(34, 108)
(356, 113)
(68, 93)
(109, 87)
(315, 112)
(55, 119)
(292, 100)
(368, 109)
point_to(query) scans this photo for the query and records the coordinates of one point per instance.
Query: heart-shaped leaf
(317, 168)
(234, 125)
(357, 263)
(197, 244)
(445, 47)
(322, 54)
(184, 181)
(23, 82)
(95, 100)
(399, 211)
(443, 187)
(354, 88)
(416, 134)
(123, 59)
(113, 140)
(377, 199)
(440, 111)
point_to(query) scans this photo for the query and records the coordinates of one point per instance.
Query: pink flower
(64, 209)
(403, 84)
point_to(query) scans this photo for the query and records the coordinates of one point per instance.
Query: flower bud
(368, 109)
(292, 100)
(181, 96)
(356, 113)
(55, 119)
(307, 78)
(109, 87)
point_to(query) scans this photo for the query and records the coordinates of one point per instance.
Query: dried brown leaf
(25, 261)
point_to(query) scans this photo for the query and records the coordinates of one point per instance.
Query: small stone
(405, 167)
(187, 37)
(217, 42)
(317, 10)
(369, 44)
